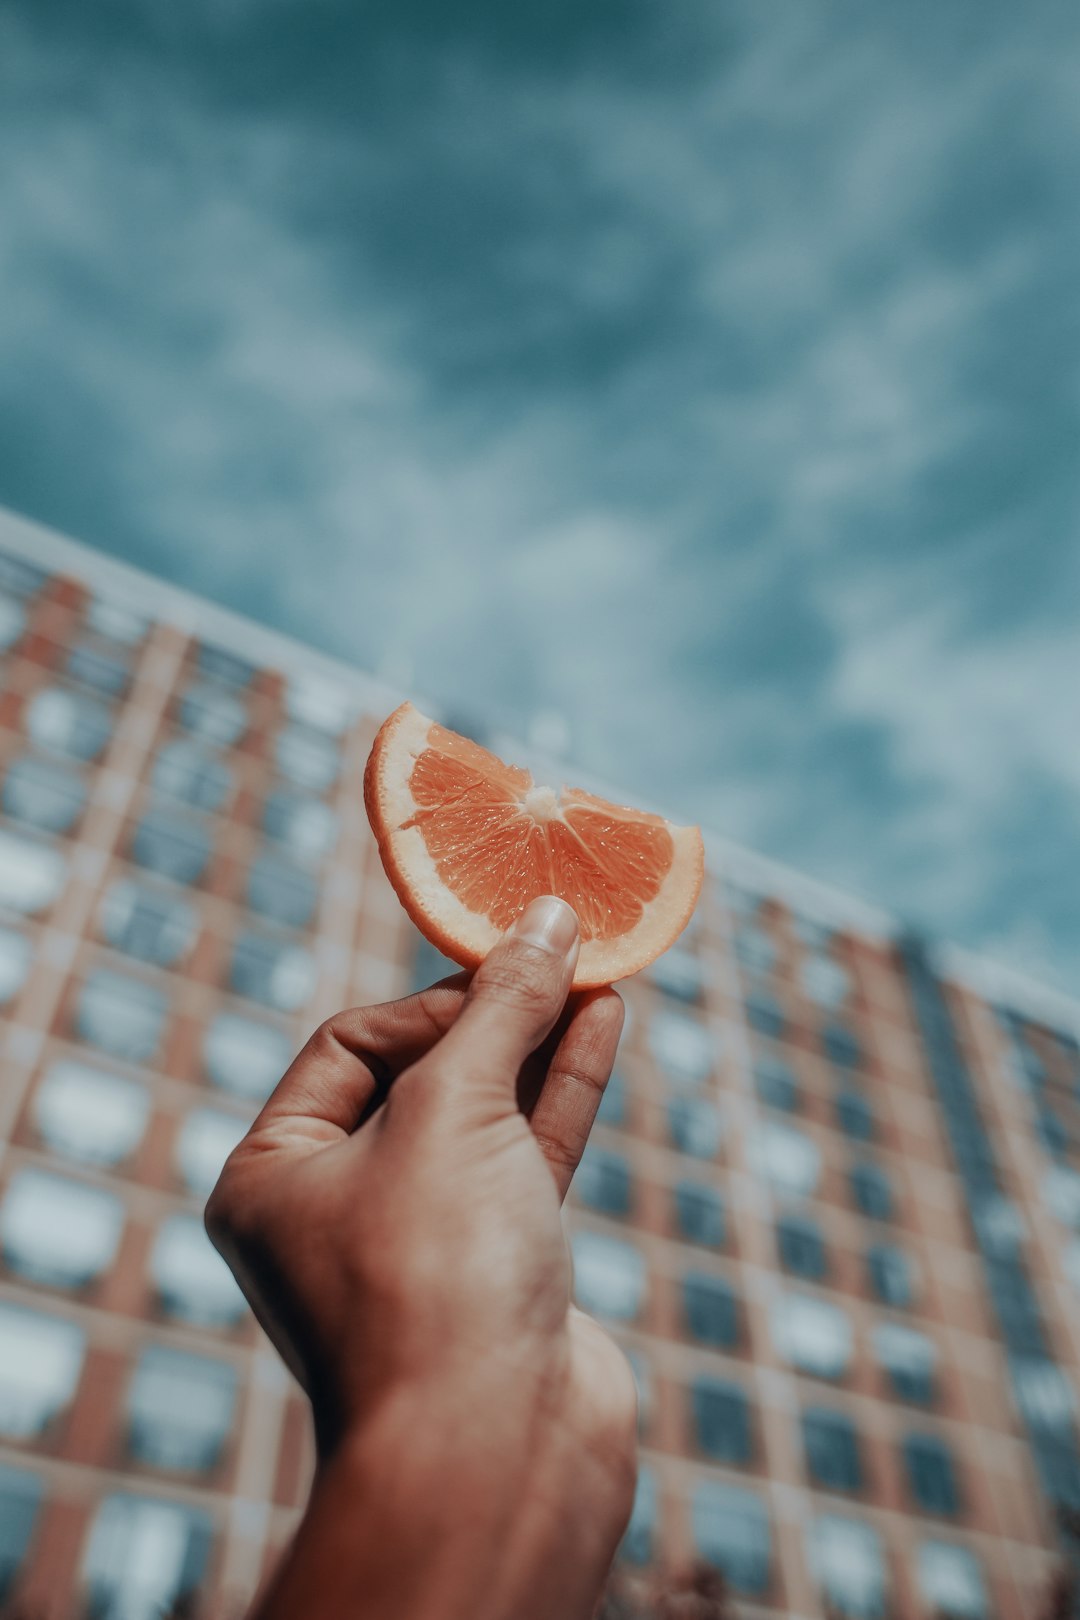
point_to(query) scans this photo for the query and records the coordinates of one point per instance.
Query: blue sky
(707, 372)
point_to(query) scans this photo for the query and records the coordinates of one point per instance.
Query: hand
(393, 1218)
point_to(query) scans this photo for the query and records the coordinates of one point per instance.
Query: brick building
(829, 1208)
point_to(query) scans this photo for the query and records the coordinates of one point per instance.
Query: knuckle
(523, 976)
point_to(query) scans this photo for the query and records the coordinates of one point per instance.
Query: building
(829, 1208)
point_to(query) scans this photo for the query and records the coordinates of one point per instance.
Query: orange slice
(467, 842)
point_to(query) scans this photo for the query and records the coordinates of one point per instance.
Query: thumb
(513, 1001)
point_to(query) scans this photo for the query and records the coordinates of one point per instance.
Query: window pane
(306, 826)
(143, 1556)
(41, 1359)
(825, 981)
(309, 758)
(609, 1275)
(192, 1280)
(637, 1544)
(103, 672)
(776, 1084)
(682, 1047)
(765, 1013)
(32, 874)
(186, 770)
(602, 1181)
(711, 1310)
(121, 1015)
(214, 713)
(246, 1057)
(801, 1246)
(68, 722)
(850, 1566)
(786, 1157)
(319, 702)
(281, 976)
(207, 1138)
(58, 1231)
(699, 1212)
(12, 621)
(832, 1449)
(20, 1498)
(43, 793)
(930, 1472)
(116, 622)
(148, 923)
(755, 948)
(950, 1582)
(721, 1414)
(678, 974)
(871, 1191)
(813, 1336)
(83, 1113)
(854, 1116)
(221, 665)
(731, 1531)
(889, 1273)
(18, 577)
(180, 1409)
(695, 1126)
(612, 1109)
(282, 891)
(177, 846)
(14, 963)
(908, 1358)
(841, 1046)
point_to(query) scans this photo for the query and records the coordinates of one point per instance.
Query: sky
(705, 373)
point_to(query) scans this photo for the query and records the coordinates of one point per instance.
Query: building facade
(829, 1209)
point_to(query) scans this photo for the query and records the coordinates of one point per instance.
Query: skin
(393, 1218)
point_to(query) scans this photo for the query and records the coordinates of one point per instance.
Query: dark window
(102, 672)
(280, 974)
(282, 891)
(430, 965)
(636, 1544)
(695, 1126)
(889, 1274)
(20, 1497)
(1016, 1305)
(871, 1191)
(832, 1449)
(19, 577)
(721, 1415)
(841, 1046)
(176, 846)
(731, 1531)
(602, 1181)
(1053, 1133)
(221, 665)
(144, 922)
(711, 1309)
(612, 1109)
(765, 1013)
(801, 1246)
(930, 1474)
(44, 793)
(699, 1211)
(187, 770)
(854, 1116)
(776, 1084)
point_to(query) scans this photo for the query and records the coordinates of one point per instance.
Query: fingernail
(549, 923)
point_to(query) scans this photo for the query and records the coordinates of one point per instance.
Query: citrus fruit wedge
(467, 842)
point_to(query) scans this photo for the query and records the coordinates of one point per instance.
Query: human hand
(475, 1432)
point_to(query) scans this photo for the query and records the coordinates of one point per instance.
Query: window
(637, 1543)
(699, 1214)
(12, 621)
(180, 1409)
(813, 1336)
(841, 1046)
(765, 1013)
(185, 770)
(832, 1449)
(221, 665)
(309, 758)
(999, 1228)
(847, 1559)
(32, 874)
(682, 1048)
(787, 1158)
(20, 1497)
(280, 975)
(731, 1531)
(205, 1141)
(855, 1116)
(307, 827)
(711, 1310)
(143, 1557)
(430, 965)
(801, 1246)
(1044, 1395)
(950, 1582)
(41, 1359)
(148, 923)
(755, 948)
(721, 1415)
(776, 1084)
(1053, 1132)
(871, 1192)
(58, 1231)
(908, 1359)
(1061, 1194)
(177, 846)
(931, 1477)
(678, 974)
(825, 981)
(43, 793)
(602, 1181)
(609, 1275)
(888, 1272)
(695, 1126)
(68, 722)
(282, 891)
(116, 622)
(612, 1109)
(14, 963)
(121, 1015)
(213, 713)
(19, 577)
(192, 1280)
(86, 1114)
(319, 703)
(105, 673)
(245, 1057)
